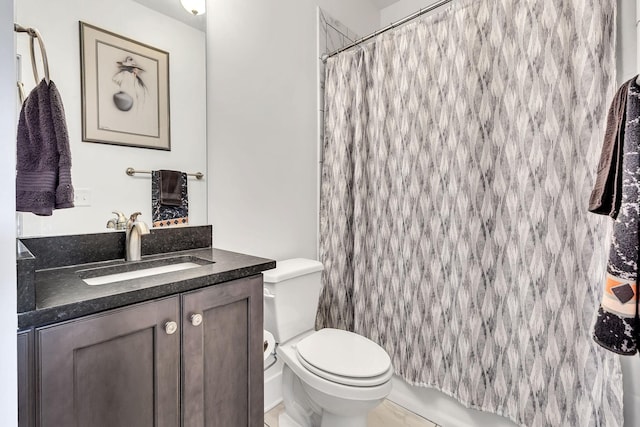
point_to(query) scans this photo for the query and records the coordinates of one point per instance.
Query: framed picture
(125, 90)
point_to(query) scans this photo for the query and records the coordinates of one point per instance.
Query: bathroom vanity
(168, 349)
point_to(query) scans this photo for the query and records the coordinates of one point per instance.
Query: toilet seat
(345, 358)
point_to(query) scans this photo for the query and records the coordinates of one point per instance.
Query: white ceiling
(381, 4)
(174, 9)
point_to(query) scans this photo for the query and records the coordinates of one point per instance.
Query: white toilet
(331, 378)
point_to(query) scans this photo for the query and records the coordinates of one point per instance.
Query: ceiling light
(195, 7)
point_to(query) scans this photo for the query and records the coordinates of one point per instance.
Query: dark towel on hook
(606, 195)
(43, 167)
(170, 188)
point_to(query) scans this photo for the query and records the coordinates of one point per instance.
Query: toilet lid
(344, 354)
(350, 381)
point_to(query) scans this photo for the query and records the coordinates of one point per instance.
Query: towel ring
(35, 34)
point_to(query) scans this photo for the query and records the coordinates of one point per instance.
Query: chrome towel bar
(132, 172)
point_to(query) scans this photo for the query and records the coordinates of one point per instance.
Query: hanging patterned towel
(617, 326)
(169, 200)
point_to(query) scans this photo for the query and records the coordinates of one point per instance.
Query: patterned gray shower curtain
(459, 154)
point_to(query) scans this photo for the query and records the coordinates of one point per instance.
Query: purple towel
(43, 179)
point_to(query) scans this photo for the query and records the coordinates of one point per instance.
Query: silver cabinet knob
(170, 328)
(196, 319)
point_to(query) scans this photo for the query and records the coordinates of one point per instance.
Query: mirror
(98, 169)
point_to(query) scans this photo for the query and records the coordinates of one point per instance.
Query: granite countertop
(61, 294)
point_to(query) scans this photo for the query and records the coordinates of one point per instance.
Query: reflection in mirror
(98, 170)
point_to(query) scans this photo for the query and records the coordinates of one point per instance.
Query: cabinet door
(116, 369)
(25, 379)
(222, 364)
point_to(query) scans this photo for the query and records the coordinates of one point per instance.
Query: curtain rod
(387, 28)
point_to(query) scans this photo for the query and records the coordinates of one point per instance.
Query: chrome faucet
(119, 222)
(135, 230)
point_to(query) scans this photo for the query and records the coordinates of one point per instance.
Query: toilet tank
(291, 292)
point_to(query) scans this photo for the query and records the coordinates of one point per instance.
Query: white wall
(100, 167)
(626, 41)
(8, 320)
(262, 108)
(402, 8)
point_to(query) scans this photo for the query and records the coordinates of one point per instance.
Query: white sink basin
(118, 277)
(129, 271)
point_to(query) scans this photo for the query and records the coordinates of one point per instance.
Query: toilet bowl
(331, 377)
(338, 394)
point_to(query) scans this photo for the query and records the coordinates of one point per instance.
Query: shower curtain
(458, 159)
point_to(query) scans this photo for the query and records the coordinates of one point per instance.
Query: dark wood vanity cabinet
(193, 359)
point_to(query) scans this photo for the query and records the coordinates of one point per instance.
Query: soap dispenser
(119, 222)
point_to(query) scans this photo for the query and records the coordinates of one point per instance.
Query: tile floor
(387, 414)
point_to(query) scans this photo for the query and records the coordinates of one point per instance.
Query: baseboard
(273, 386)
(440, 408)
